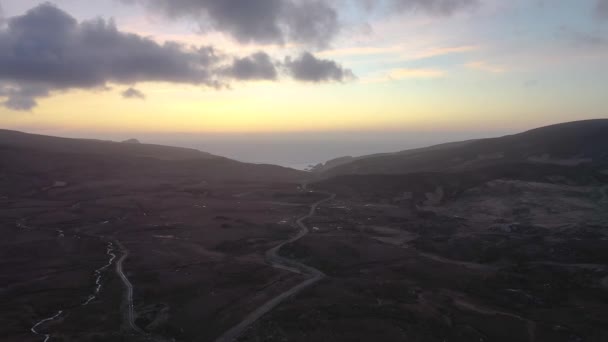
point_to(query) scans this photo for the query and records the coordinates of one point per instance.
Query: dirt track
(277, 261)
(130, 314)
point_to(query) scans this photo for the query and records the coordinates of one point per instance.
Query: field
(196, 257)
(505, 261)
(151, 244)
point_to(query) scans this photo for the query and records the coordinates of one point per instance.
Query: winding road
(130, 314)
(275, 260)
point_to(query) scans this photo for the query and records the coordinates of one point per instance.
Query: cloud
(47, 50)
(441, 51)
(486, 67)
(584, 39)
(404, 73)
(435, 7)
(309, 68)
(132, 93)
(23, 98)
(601, 9)
(399, 74)
(363, 51)
(311, 22)
(395, 54)
(258, 66)
(2, 19)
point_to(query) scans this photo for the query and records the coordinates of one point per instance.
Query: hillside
(567, 144)
(98, 147)
(29, 162)
(481, 249)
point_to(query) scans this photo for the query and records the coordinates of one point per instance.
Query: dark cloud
(46, 50)
(601, 9)
(312, 22)
(258, 66)
(305, 68)
(308, 68)
(23, 98)
(435, 7)
(133, 93)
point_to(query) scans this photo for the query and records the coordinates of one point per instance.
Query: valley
(140, 246)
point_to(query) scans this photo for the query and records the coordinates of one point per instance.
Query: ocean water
(295, 150)
(300, 151)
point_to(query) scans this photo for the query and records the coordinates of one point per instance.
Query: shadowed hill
(98, 147)
(419, 186)
(567, 144)
(334, 163)
(29, 162)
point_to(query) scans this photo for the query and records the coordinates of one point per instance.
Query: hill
(567, 144)
(29, 161)
(129, 148)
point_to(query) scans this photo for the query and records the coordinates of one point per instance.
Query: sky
(373, 75)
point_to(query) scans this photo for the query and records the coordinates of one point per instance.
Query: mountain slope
(97, 147)
(29, 162)
(566, 144)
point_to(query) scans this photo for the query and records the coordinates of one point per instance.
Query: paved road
(130, 314)
(277, 261)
